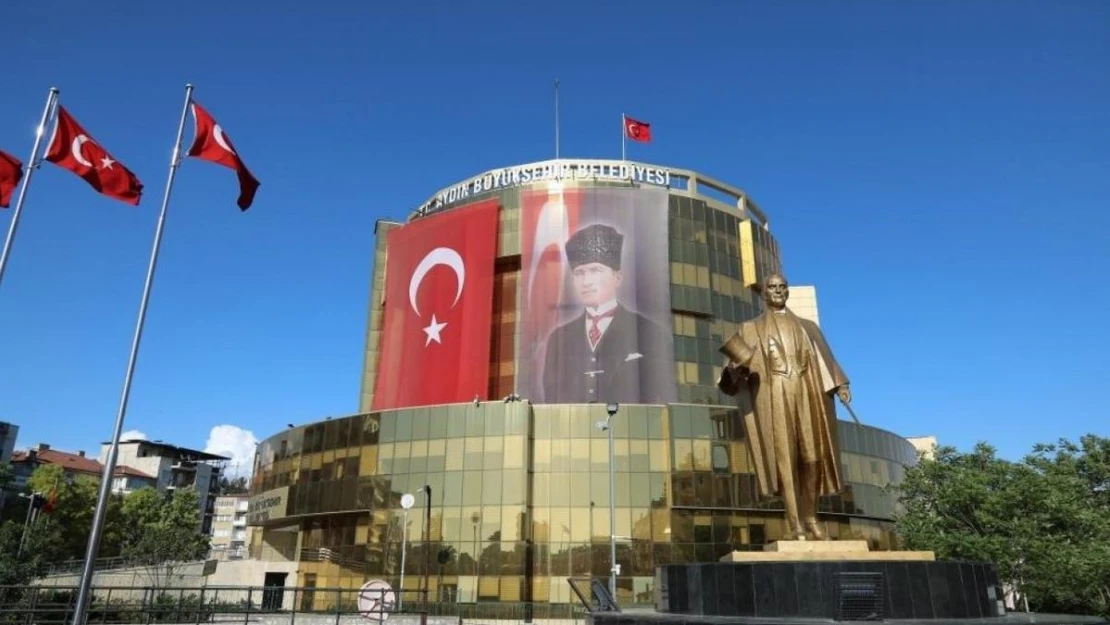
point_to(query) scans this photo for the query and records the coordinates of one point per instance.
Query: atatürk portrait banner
(595, 301)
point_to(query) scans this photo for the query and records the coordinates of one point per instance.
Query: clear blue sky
(940, 170)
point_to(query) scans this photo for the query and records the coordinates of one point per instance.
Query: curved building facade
(506, 313)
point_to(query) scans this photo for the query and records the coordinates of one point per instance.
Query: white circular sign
(376, 600)
(407, 501)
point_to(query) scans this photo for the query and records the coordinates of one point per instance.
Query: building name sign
(543, 172)
(268, 506)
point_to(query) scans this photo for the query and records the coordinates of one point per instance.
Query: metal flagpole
(624, 133)
(27, 522)
(82, 603)
(51, 98)
(556, 118)
(404, 548)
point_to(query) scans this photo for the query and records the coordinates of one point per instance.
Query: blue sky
(939, 170)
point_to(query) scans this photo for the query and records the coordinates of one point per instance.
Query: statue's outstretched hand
(845, 394)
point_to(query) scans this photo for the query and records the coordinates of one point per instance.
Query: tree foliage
(163, 533)
(1044, 521)
(63, 533)
(146, 526)
(162, 529)
(234, 486)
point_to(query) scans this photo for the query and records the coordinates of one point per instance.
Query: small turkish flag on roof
(74, 149)
(637, 130)
(211, 144)
(11, 172)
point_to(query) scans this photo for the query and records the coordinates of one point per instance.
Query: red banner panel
(435, 342)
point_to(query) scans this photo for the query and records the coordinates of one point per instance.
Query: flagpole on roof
(556, 119)
(32, 165)
(624, 133)
(82, 603)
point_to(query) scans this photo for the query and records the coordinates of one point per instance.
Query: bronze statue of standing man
(791, 375)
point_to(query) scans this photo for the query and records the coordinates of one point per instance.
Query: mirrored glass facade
(520, 492)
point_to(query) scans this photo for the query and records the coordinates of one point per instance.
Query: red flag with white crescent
(11, 172)
(212, 144)
(637, 130)
(435, 337)
(72, 148)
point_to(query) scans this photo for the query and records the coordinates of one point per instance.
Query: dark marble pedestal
(858, 590)
(656, 618)
(823, 591)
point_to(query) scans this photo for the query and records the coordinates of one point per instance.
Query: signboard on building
(268, 506)
(560, 170)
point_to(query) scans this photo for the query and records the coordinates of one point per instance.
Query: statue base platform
(837, 580)
(826, 550)
(811, 582)
(648, 617)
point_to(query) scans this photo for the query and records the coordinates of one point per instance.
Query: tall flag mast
(556, 118)
(210, 144)
(82, 603)
(32, 164)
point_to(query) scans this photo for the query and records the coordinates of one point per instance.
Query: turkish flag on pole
(435, 338)
(637, 130)
(211, 144)
(74, 149)
(11, 172)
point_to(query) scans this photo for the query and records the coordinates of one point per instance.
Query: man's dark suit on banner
(608, 353)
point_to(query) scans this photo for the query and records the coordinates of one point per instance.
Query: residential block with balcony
(171, 467)
(230, 535)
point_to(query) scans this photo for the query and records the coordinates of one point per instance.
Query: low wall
(230, 580)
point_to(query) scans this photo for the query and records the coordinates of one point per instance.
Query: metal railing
(74, 567)
(34, 605)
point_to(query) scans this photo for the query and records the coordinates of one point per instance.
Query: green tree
(63, 533)
(1044, 521)
(234, 486)
(163, 533)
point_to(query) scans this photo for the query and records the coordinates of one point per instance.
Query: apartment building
(8, 433)
(170, 467)
(73, 464)
(230, 535)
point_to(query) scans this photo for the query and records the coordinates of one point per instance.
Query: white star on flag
(433, 331)
(106, 163)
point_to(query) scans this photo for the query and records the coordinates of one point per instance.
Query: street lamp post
(407, 502)
(607, 426)
(427, 537)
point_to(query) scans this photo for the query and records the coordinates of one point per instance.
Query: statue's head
(776, 291)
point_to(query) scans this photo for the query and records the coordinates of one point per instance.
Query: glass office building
(520, 494)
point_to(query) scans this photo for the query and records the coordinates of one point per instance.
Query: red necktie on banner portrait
(72, 148)
(211, 144)
(11, 172)
(595, 325)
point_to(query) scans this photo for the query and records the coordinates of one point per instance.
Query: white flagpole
(624, 125)
(32, 165)
(556, 118)
(82, 603)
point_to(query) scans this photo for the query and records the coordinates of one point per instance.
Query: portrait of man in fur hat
(607, 353)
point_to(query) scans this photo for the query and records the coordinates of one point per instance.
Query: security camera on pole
(407, 502)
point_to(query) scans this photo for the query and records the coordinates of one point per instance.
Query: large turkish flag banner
(435, 345)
